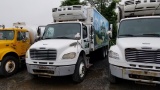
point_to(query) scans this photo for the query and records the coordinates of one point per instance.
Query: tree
(72, 2)
(112, 17)
(107, 9)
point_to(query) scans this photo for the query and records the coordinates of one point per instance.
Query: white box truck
(136, 54)
(64, 48)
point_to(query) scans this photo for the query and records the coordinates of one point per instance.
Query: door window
(22, 35)
(84, 31)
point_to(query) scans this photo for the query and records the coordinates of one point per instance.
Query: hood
(139, 43)
(53, 43)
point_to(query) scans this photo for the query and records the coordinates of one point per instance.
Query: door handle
(7, 44)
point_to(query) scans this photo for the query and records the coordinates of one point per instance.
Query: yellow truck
(14, 42)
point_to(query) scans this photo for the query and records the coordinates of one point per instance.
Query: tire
(80, 70)
(9, 66)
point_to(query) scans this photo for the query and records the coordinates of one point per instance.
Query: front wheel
(9, 66)
(80, 71)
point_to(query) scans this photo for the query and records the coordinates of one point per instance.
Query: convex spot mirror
(77, 36)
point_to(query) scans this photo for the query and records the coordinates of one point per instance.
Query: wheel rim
(82, 70)
(10, 66)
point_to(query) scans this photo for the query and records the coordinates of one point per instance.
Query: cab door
(22, 43)
(85, 38)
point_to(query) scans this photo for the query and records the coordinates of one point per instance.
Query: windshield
(140, 28)
(61, 31)
(6, 34)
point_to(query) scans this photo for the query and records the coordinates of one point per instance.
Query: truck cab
(135, 56)
(66, 44)
(14, 43)
(57, 52)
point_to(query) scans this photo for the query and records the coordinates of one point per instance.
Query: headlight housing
(113, 55)
(69, 55)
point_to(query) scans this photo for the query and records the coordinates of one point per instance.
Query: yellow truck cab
(14, 42)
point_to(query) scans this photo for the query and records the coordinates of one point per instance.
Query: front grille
(49, 54)
(142, 56)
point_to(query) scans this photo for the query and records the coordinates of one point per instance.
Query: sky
(32, 12)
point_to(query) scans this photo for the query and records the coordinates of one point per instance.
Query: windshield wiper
(4, 38)
(127, 35)
(63, 37)
(48, 38)
(156, 35)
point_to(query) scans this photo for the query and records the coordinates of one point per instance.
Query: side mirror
(38, 38)
(39, 31)
(77, 36)
(137, 2)
(24, 39)
(92, 32)
(109, 33)
(111, 27)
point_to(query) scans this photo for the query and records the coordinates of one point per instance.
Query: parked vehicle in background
(136, 54)
(66, 44)
(14, 42)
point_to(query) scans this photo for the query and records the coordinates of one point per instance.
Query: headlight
(113, 55)
(26, 55)
(69, 55)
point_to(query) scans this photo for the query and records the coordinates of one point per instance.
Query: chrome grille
(142, 56)
(46, 54)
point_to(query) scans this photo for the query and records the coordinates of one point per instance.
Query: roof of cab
(16, 29)
(158, 17)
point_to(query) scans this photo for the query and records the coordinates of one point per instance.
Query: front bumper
(50, 70)
(148, 76)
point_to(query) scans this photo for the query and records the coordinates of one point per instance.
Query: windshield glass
(6, 34)
(140, 28)
(61, 31)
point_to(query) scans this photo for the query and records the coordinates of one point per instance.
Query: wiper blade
(63, 37)
(4, 38)
(157, 35)
(48, 38)
(130, 35)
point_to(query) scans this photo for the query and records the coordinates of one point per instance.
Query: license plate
(43, 67)
(145, 73)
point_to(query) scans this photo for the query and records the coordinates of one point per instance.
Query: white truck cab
(136, 54)
(66, 43)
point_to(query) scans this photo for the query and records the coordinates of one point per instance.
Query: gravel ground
(96, 79)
